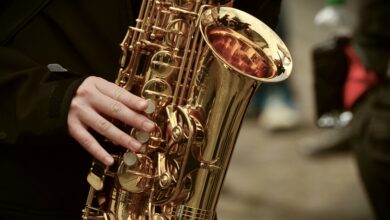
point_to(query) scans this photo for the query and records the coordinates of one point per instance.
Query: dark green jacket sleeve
(81, 36)
(34, 101)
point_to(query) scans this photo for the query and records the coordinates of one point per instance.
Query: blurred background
(277, 174)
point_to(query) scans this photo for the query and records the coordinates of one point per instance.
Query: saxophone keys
(165, 180)
(130, 159)
(95, 181)
(163, 64)
(134, 173)
(96, 175)
(177, 133)
(157, 216)
(151, 107)
(158, 91)
(142, 136)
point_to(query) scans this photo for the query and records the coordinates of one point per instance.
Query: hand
(96, 97)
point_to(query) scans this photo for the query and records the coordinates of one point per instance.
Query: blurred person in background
(336, 22)
(353, 75)
(367, 94)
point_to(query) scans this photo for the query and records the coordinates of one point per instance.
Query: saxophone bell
(246, 44)
(198, 65)
(241, 52)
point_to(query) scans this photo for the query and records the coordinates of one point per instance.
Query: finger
(122, 95)
(119, 111)
(89, 143)
(108, 130)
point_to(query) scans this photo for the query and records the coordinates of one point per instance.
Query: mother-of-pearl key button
(142, 136)
(151, 107)
(130, 159)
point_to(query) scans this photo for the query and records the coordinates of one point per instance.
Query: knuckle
(73, 128)
(83, 92)
(95, 80)
(116, 107)
(75, 104)
(92, 77)
(87, 143)
(104, 126)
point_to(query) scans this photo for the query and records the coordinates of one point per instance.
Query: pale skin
(95, 102)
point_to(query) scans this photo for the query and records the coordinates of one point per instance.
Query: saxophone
(198, 63)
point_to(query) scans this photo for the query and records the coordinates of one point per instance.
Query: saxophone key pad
(151, 107)
(130, 159)
(142, 136)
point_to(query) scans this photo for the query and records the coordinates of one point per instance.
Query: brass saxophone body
(198, 64)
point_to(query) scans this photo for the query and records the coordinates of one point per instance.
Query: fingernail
(142, 103)
(148, 126)
(108, 160)
(136, 145)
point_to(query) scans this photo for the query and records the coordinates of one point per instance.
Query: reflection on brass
(162, 64)
(238, 51)
(198, 64)
(158, 91)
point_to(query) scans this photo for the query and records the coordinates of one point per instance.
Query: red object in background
(359, 79)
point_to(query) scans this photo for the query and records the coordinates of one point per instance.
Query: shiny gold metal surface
(199, 64)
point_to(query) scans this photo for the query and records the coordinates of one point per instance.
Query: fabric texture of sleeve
(35, 100)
